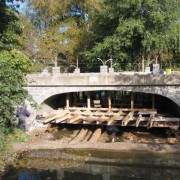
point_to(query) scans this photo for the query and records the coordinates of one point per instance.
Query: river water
(94, 165)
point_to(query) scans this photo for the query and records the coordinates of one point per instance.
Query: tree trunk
(56, 61)
(142, 63)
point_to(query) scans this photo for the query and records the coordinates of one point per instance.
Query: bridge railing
(42, 74)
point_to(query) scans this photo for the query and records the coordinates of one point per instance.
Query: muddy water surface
(94, 165)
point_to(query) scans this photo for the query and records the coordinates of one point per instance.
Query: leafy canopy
(13, 66)
(134, 31)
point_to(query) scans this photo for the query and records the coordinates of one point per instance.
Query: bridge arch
(40, 94)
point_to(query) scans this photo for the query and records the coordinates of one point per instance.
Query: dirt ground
(100, 139)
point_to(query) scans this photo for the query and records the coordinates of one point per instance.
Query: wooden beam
(109, 100)
(167, 119)
(138, 120)
(147, 112)
(62, 118)
(73, 119)
(90, 118)
(67, 101)
(132, 100)
(113, 118)
(88, 100)
(127, 118)
(113, 109)
(97, 113)
(54, 116)
(151, 120)
(97, 103)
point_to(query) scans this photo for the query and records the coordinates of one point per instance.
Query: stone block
(77, 71)
(103, 69)
(55, 71)
(156, 69)
(111, 70)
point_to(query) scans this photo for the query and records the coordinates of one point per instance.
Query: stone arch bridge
(42, 87)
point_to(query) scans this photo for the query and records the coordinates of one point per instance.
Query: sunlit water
(98, 165)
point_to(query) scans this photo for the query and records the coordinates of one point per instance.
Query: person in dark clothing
(22, 114)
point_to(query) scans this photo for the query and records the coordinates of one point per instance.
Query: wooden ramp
(116, 116)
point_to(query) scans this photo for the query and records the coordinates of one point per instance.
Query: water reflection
(105, 166)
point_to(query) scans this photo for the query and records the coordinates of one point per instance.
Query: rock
(47, 136)
(172, 140)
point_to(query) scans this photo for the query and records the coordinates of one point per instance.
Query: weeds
(8, 155)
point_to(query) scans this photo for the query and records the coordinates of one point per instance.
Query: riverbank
(116, 146)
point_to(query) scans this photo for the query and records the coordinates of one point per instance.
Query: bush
(13, 67)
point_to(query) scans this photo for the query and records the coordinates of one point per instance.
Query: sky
(21, 9)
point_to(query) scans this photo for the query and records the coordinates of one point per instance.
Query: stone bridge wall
(42, 88)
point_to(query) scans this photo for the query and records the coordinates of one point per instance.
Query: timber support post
(132, 100)
(67, 101)
(88, 100)
(109, 100)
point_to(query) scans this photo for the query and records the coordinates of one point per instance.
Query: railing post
(103, 69)
(77, 71)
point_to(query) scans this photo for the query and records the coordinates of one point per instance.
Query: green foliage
(18, 136)
(10, 27)
(51, 31)
(8, 156)
(134, 31)
(13, 66)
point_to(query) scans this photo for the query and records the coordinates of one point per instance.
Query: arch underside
(40, 94)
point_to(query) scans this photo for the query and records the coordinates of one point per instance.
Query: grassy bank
(8, 155)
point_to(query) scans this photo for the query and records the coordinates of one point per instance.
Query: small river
(94, 165)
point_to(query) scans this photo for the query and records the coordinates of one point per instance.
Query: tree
(13, 64)
(60, 28)
(13, 67)
(134, 31)
(10, 27)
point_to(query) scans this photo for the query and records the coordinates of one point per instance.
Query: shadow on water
(95, 165)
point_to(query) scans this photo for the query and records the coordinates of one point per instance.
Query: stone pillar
(147, 70)
(77, 70)
(156, 69)
(103, 69)
(109, 100)
(88, 100)
(67, 101)
(111, 70)
(45, 73)
(132, 100)
(56, 71)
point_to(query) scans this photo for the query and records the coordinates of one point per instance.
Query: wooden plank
(54, 116)
(112, 119)
(147, 112)
(112, 109)
(102, 119)
(63, 118)
(138, 120)
(151, 120)
(97, 103)
(127, 118)
(73, 119)
(132, 100)
(96, 113)
(90, 118)
(167, 119)
(109, 100)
